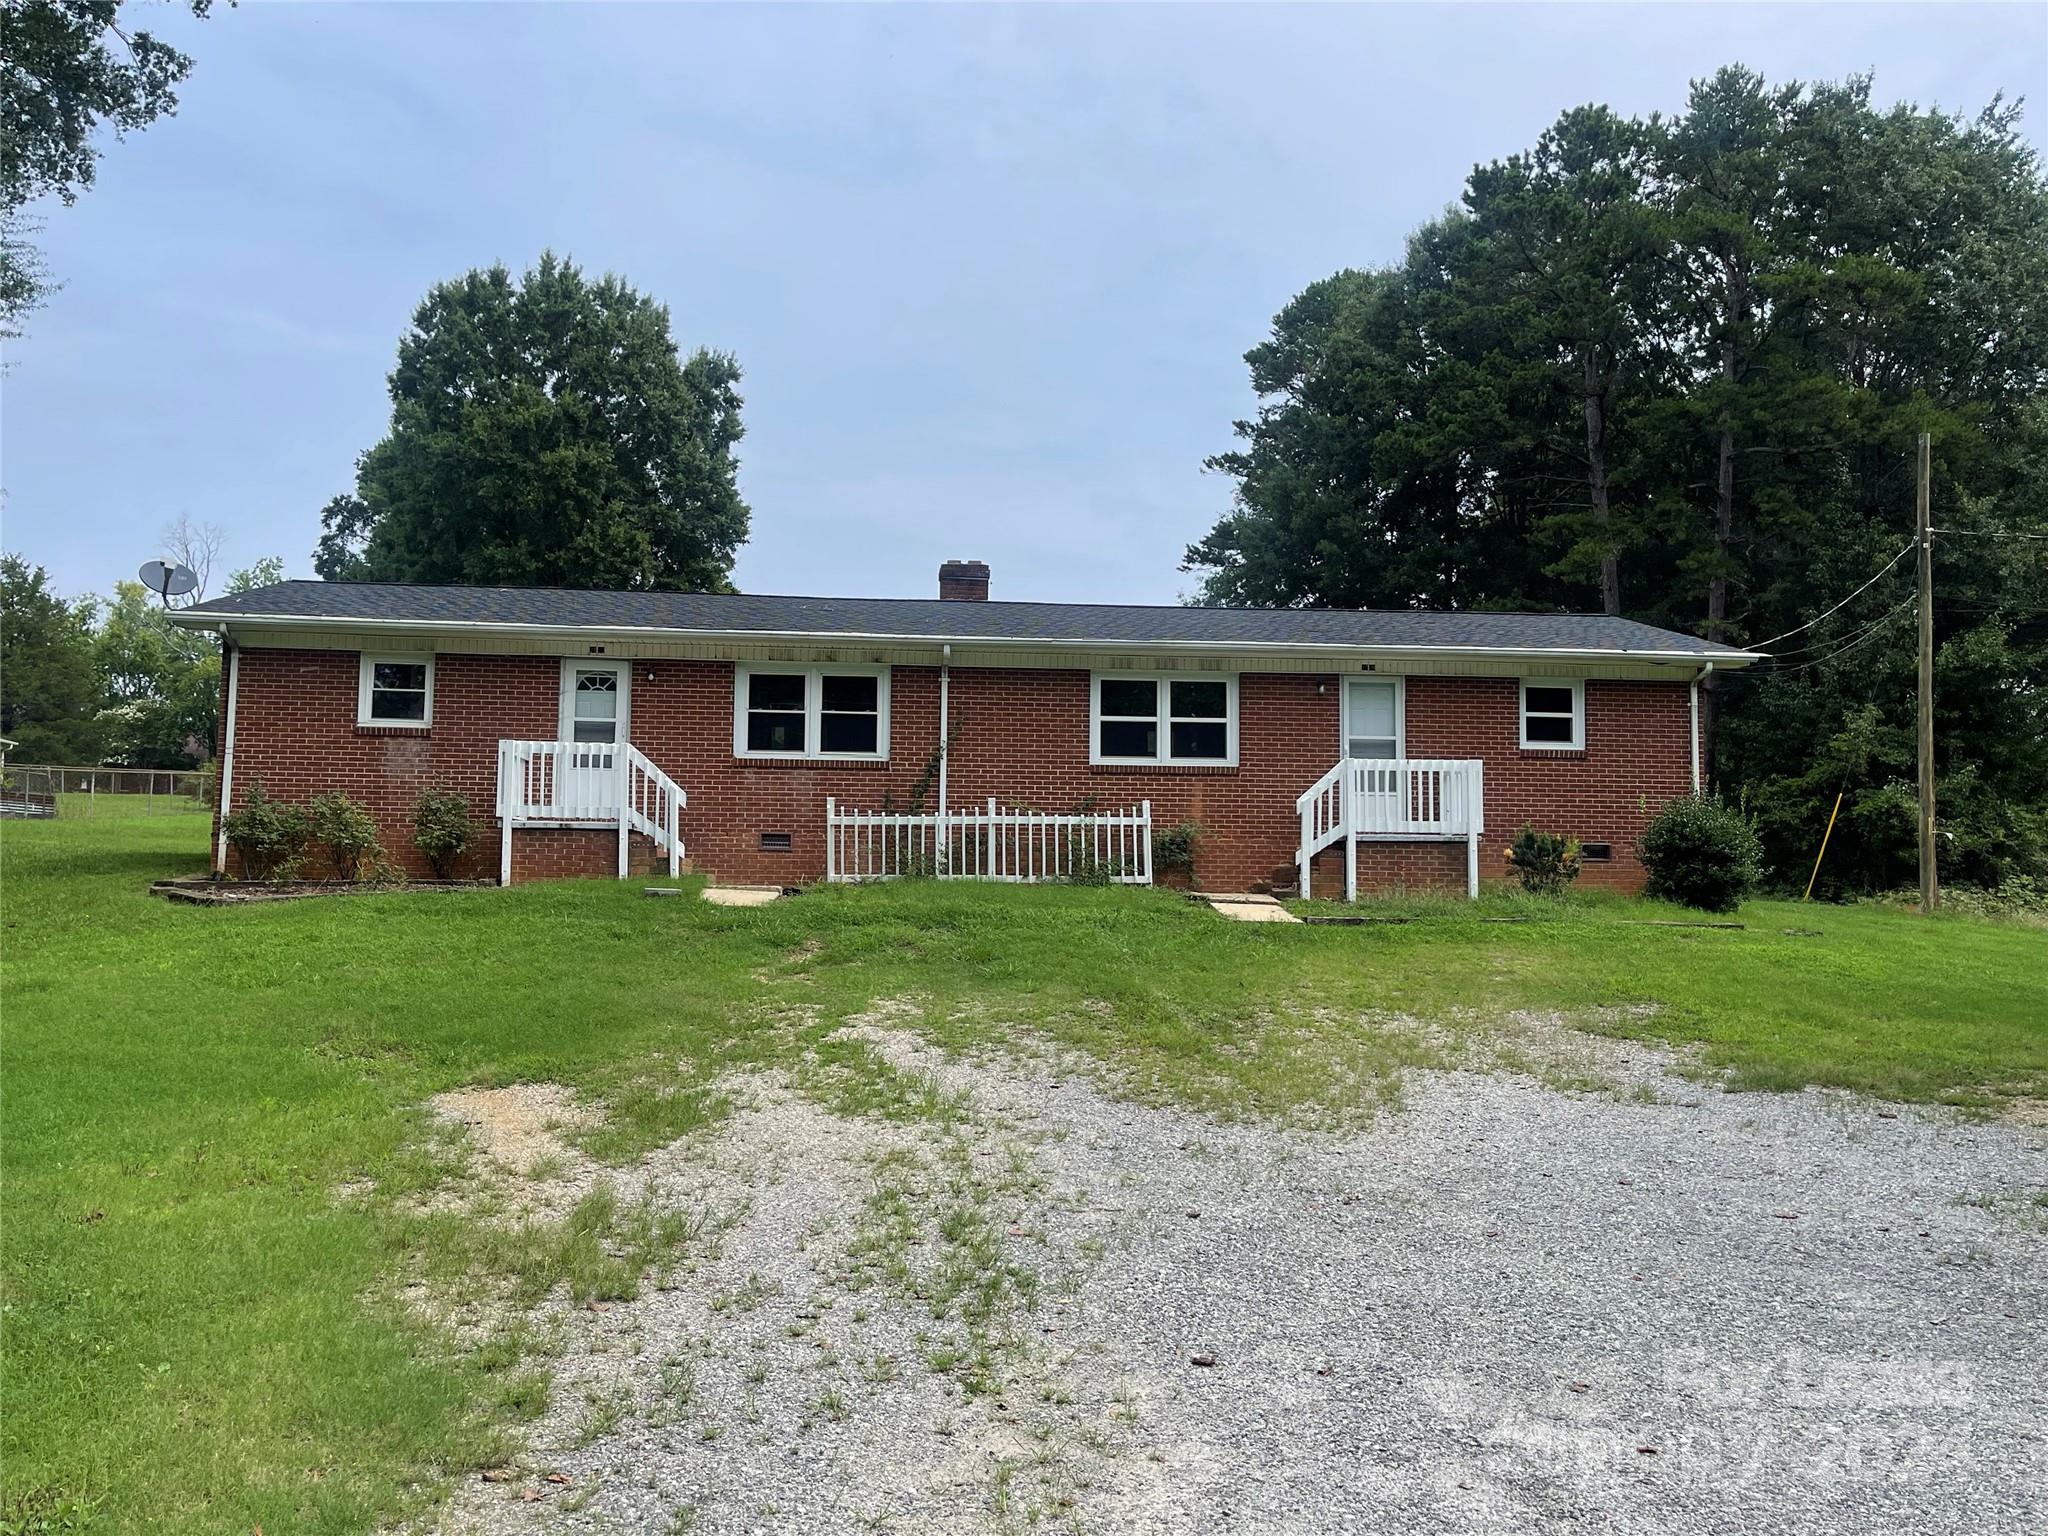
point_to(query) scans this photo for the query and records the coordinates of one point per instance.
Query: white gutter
(992, 642)
(227, 752)
(945, 729)
(1694, 690)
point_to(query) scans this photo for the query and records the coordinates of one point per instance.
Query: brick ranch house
(1371, 749)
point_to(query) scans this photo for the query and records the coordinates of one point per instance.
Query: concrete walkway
(1248, 908)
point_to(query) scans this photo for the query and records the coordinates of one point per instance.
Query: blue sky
(990, 272)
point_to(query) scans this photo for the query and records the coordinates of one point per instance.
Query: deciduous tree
(72, 70)
(545, 432)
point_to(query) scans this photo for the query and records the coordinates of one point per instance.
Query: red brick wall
(1020, 735)
(1638, 755)
(1394, 867)
(296, 733)
(575, 853)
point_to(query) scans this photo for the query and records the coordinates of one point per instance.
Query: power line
(1835, 643)
(1832, 656)
(1895, 559)
(1992, 533)
(1855, 642)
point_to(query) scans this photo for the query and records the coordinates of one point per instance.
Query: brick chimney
(964, 581)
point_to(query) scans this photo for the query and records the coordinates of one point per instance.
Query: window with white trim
(1145, 718)
(815, 712)
(1553, 714)
(395, 690)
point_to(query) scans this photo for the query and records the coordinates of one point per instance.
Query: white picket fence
(990, 844)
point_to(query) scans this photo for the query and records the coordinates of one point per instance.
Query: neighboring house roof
(323, 604)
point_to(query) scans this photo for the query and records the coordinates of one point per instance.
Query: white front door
(596, 712)
(1375, 731)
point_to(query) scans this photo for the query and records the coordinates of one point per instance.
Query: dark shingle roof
(929, 619)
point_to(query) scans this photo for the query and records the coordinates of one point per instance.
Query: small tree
(268, 834)
(1544, 862)
(349, 834)
(442, 829)
(1703, 853)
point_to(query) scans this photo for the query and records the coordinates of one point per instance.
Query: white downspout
(227, 752)
(1695, 690)
(945, 727)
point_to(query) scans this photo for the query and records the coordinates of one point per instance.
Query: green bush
(1703, 853)
(1174, 848)
(268, 834)
(442, 830)
(1544, 862)
(348, 833)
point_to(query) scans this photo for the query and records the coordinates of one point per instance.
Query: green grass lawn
(199, 1335)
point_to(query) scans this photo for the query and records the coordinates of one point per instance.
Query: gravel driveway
(1501, 1308)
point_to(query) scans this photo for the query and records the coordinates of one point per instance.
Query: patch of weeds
(601, 1251)
(999, 1493)
(607, 1410)
(48, 1512)
(649, 1111)
(548, 1166)
(523, 1397)
(882, 1368)
(850, 1077)
(678, 1381)
(578, 1499)
(2028, 1212)
(747, 1296)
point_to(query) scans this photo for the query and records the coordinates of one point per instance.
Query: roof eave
(217, 620)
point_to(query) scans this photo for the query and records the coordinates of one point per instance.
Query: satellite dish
(168, 579)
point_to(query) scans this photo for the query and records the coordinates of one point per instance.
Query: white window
(395, 690)
(1374, 717)
(1553, 714)
(1142, 718)
(817, 712)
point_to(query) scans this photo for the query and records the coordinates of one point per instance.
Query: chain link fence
(43, 791)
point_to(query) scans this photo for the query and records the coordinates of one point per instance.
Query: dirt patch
(2023, 1110)
(520, 1128)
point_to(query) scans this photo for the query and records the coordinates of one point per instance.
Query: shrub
(442, 829)
(1544, 862)
(349, 834)
(268, 834)
(1173, 848)
(1702, 852)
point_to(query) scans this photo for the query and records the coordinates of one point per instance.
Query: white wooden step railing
(1393, 799)
(586, 783)
(990, 844)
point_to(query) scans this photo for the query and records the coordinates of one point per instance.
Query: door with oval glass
(1375, 737)
(596, 712)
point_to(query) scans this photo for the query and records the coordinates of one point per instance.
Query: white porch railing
(1393, 800)
(587, 784)
(989, 844)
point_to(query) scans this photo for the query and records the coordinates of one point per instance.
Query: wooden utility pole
(1930, 885)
